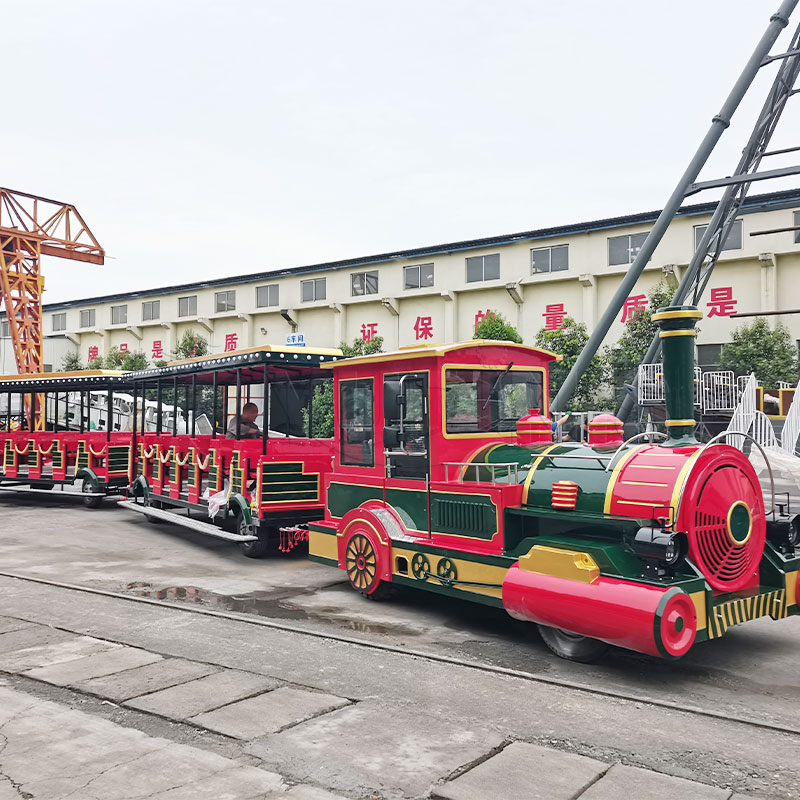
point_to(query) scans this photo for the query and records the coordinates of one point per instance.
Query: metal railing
(512, 468)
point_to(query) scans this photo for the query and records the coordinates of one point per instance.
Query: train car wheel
(259, 548)
(361, 564)
(87, 485)
(572, 646)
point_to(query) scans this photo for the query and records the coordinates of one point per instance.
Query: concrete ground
(413, 698)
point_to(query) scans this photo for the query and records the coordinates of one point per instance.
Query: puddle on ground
(263, 604)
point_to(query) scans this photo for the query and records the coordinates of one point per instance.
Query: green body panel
(581, 465)
(474, 516)
(86, 472)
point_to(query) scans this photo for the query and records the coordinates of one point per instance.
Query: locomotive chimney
(677, 332)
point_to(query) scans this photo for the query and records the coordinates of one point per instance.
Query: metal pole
(110, 415)
(265, 415)
(158, 407)
(194, 400)
(144, 408)
(719, 123)
(238, 404)
(175, 406)
(214, 406)
(134, 448)
(83, 408)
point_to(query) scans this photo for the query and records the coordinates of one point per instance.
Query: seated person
(244, 425)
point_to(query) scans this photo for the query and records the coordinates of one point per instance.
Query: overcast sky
(200, 139)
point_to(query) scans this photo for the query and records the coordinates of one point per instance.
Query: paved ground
(278, 713)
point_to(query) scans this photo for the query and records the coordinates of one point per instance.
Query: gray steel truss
(736, 185)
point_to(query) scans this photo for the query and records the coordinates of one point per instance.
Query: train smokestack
(677, 333)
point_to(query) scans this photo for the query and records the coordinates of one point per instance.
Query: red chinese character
(158, 350)
(94, 352)
(554, 316)
(123, 348)
(722, 303)
(632, 305)
(369, 330)
(482, 315)
(423, 327)
(231, 340)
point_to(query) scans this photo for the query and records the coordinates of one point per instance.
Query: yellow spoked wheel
(361, 563)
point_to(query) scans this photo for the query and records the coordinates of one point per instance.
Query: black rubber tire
(90, 502)
(257, 549)
(42, 486)
(571, 646)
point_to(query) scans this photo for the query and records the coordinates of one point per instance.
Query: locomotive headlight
(793, 534)
(666, 548)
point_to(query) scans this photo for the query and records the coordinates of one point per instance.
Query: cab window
(487, 400)
(356, 425)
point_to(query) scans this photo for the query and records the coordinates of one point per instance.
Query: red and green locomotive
(444, 480)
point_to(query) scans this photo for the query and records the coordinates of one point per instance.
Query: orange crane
(31, 227)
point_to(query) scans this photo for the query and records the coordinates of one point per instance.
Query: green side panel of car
(466, 515)
(286, 482)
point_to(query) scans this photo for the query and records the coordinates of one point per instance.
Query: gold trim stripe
(667, 334)
(680, 423)
(684, 314)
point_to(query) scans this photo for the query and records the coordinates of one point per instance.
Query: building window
(357, 436)
(267, 296)
(418, 277)
(59, 321)
(87, 318)
(733, 241)
(312, 290)
(708, 355)
(225, 301)
(187, 306)
(119, 315)
(362, 283)
(549, 259)
(624, 249)
(797, 225)
(151, 309)
(5, 330)
(483, 268)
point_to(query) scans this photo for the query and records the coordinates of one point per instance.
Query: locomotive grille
(724, 540)
(461, 515)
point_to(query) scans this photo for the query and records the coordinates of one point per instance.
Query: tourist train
(441, 474)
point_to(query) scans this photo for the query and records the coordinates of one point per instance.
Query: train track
(420, 654)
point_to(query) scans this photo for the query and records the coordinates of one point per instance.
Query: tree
(72, 362)
(569, 341)
(770, 354)
(362, 348)
(495, 326)
(191, 345)
(322, 400)
(625, 356)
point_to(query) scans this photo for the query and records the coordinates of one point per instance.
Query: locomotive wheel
(257, 549)
(420, 566)
(446, 571)
(361, 563)
(87, 485)
(572, 646)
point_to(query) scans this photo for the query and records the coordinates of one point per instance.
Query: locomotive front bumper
(564, 589)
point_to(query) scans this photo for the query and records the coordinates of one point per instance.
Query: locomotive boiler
(648, 545)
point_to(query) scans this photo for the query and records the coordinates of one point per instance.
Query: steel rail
(405, 651)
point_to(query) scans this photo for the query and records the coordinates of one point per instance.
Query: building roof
(760, 202)
(436, 350)
(63, 381)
